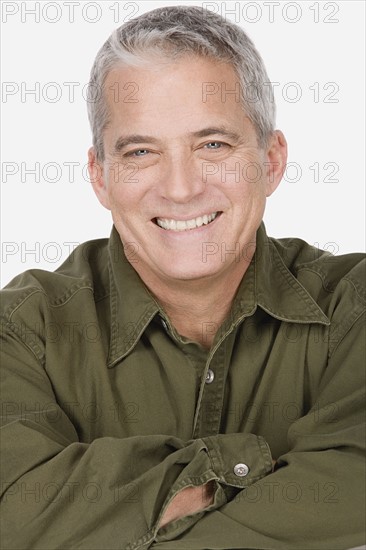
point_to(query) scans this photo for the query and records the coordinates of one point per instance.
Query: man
(190, 383)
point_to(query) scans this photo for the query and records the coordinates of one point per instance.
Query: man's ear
(276, 158)
(96, 174)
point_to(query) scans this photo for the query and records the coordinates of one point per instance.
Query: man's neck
(198, 308)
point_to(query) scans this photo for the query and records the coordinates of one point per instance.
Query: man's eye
(214, 145)
(138, 153)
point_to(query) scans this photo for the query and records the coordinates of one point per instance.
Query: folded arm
(314, 499)
(59, 491)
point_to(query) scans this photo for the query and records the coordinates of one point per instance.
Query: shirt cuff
(233, 461)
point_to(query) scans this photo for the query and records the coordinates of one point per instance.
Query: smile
(185, 225)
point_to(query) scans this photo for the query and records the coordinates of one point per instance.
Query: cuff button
(241, 470)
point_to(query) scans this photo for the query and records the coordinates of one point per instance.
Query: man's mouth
(185, 225)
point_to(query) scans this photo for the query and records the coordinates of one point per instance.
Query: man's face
(183, 175)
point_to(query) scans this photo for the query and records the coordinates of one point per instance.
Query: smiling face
(183, 175)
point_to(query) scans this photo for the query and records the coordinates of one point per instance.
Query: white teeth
(179, 225)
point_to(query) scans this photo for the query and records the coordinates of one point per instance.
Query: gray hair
(171, 33)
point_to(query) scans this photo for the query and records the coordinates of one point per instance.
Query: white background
(317, 45)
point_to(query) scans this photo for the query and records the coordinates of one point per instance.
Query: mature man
(188, 383)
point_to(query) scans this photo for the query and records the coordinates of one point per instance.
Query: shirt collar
(268, 283)
(132, 305)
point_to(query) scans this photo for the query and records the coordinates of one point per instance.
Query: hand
(188, 501)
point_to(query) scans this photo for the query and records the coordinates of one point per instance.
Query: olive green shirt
(107, 412)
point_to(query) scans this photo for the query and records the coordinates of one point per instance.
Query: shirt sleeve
(60, 492)
(315, 497)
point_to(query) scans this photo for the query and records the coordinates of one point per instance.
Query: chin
(188, 270)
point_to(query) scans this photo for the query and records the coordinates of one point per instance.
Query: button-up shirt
(108, 412)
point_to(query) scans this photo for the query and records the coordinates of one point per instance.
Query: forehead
(181, 91)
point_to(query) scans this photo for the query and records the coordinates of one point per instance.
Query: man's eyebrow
(217, 130)
(123, 141)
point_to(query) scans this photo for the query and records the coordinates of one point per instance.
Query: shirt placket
(211, 397)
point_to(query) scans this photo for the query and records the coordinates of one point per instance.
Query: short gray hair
(173, 32)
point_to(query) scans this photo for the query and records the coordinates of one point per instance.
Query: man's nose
(182, 180)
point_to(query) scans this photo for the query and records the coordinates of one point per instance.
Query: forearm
(92, 495)
(113, 492)
(303, 505)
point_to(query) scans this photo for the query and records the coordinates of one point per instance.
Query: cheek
(124, 194)
(244, 190)
(127, 208)
(254, 176)
(248, 200)
(246, 169)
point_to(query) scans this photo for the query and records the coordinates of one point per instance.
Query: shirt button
(241, 470)
(210, 376)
